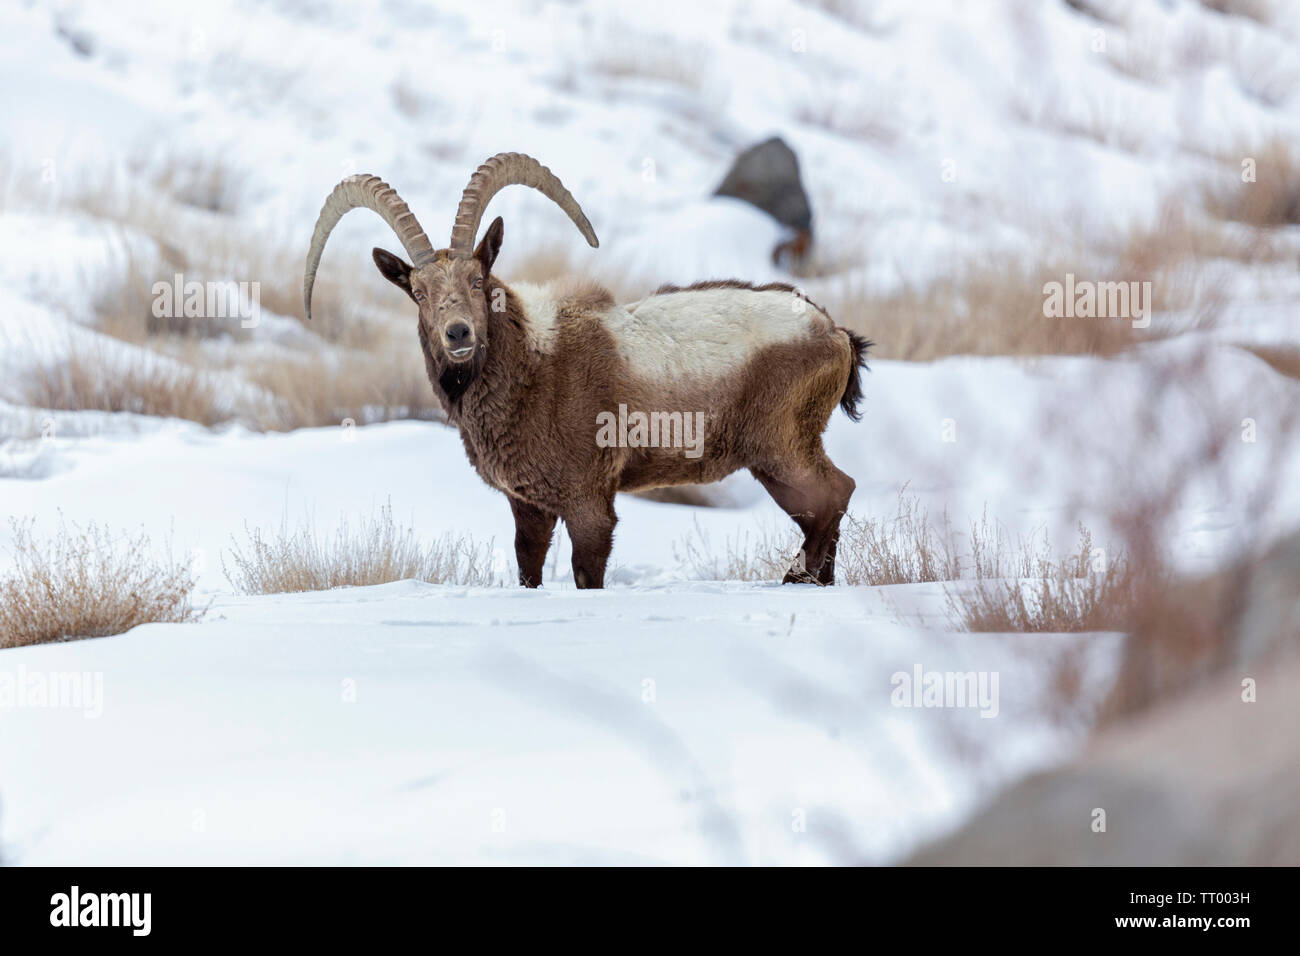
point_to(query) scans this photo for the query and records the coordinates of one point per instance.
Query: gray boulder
(766, 175)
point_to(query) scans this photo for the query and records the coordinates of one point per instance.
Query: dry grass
(905, 548)
(1183, 630)
(205, 182)
(368, 369)
(81, 380)
(289, 390)
(1076, 593)
(1187, 256)
(320, 390)
(764, 555)
(625, 56)
(986, 311)
(352, 305)
(205, 246)
(1273, 199)
(1016, 587)
(85, 583)
(1093, 114)
(377, 552)
(123, 307)
(847, 111)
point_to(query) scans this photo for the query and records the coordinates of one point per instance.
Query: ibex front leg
(533, 528)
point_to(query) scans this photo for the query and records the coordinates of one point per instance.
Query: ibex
(534, 376)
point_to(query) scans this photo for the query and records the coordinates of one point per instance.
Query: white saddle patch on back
(704, 333)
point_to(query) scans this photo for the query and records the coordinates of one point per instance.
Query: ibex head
(449, 286)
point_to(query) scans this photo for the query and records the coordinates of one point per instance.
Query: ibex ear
(490, 245)
(393, 269)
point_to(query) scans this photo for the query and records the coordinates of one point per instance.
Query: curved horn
(369, 192)
(508, 169)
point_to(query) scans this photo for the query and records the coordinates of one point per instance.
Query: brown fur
(528, 420)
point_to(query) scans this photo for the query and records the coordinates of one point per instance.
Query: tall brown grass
(1075, 593)
(87, 583)
(311, 391)
(984, 311)
(377, 551)
(763, 555)
(83, 380)
(1016, 586)
(123, 306)
(1272, 199)
(903, 548)
(907, 548)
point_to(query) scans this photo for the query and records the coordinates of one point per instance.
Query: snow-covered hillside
(665, 719)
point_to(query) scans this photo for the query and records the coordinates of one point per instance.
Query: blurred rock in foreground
(1190, 770)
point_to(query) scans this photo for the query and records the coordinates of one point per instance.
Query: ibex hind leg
(591, 529)
(815, 496)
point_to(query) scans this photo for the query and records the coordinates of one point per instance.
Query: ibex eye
(419, 296)
(478, 283)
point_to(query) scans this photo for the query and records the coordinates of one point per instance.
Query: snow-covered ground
(704, 723)
(664, 719)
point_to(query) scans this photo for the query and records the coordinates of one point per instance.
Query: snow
(423, 723)
(413, 722)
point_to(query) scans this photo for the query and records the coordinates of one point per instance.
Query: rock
(1197, 761)
(1209, 780)
(767, 176)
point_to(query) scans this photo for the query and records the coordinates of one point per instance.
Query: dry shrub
(1020, 587)
(81, 380)
(85, 583)
(408, 98)
(904, 549)
(204, 181)
(1273, 199)
(1187, 257)
(352, 305)
(154, 185)
(1186, 629)
(377, 552)
(1091, 113)
(123, 306)
(624, 55)
(1069, 594)
(851, 113)
(204, 247)
(319, 390)
(987, 311)
(763, 556)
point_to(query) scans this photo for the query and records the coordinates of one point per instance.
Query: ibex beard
(523, 370)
